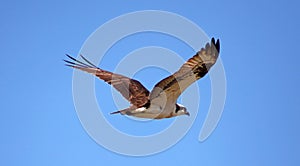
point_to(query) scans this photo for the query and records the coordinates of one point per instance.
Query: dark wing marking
(195, 68)
(131, 89)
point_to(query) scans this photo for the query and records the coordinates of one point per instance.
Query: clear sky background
(259, 49)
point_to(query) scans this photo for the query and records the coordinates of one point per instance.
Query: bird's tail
(116, 112)
(123, 112)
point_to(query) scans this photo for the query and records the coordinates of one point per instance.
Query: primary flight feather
(161, 102)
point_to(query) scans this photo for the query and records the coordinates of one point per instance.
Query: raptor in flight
(161, 102)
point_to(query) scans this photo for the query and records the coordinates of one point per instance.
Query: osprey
(161, 102)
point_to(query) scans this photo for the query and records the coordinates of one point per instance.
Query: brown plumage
(191, 71)
(131, 89)
(161, 102)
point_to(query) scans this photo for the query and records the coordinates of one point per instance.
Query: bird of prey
(161, 102)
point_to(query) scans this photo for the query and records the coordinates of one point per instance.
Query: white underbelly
(153, 112)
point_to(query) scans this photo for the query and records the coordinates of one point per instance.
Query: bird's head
(181, 110)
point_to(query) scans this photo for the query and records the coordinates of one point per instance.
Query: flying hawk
(161, 102)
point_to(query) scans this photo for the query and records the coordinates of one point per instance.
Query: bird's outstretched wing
(131, 89)
(170, 88)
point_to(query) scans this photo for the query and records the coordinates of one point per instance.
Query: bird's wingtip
(216, 44)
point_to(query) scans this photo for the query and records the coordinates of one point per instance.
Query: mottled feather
(195, 68)
(131, 89)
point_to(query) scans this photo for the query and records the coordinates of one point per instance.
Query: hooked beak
(187, 113)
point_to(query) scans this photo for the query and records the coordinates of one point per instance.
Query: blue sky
(259, 42)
